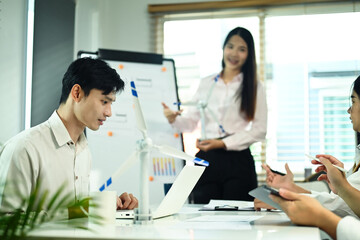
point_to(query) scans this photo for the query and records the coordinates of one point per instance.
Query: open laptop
(176, 196)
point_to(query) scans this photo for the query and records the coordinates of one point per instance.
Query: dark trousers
(229, 176)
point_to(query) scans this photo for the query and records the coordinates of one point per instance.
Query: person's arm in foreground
(278, 181)
(338, 182)
(127, 201)
(304, 210)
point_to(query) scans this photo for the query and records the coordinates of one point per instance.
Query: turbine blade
(188, 104)
(216, 120)
(212, 88)
(185, 103)
(180, 154)
(140, 121)
(124, 167)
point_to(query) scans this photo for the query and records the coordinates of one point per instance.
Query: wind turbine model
(143, 146)
(201, 105)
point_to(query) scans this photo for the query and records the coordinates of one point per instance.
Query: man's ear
(76, 93)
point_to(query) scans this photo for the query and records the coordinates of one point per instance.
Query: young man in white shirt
(56, 152)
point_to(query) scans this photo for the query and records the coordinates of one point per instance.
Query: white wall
(115, 24)
(12, 55)
(112, 24)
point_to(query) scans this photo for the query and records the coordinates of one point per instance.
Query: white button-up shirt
(45, 154)
(226, 109)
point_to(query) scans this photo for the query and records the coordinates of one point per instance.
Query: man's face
(93, 110)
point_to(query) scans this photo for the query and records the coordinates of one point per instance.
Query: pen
(280, 173)
(314, 158)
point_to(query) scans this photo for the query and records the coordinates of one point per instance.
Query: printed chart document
(228, 205)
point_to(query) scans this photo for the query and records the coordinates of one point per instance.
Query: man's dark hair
(90, 74)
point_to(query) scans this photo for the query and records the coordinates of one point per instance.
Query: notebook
(176, 196)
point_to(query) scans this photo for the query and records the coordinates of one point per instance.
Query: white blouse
(226, 109)
(347, 229)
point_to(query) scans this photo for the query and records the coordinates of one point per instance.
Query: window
(311, 61)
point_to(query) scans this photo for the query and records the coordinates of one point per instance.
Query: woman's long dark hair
(247, 91)
(356, 88)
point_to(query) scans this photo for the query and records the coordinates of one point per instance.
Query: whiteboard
(116, 140)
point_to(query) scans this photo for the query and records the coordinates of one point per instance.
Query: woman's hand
(304, 210)
(335, 178)
(278, 181)
(300, 209)
(170, 114)
(332, 160)
(258, 205)
(329, 160)
(210, 144)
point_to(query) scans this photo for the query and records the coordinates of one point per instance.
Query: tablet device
(262, 193)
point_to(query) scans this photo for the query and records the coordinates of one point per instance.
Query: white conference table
(190, 223)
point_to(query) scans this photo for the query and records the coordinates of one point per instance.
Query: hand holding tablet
(262, 193)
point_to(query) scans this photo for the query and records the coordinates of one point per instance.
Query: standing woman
(238, 100)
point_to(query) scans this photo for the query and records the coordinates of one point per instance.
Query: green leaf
(41, 208)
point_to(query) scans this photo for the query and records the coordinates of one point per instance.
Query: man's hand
(210, 144)
(126, 201)
(170, 114)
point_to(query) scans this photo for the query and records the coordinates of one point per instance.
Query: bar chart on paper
(164, 166)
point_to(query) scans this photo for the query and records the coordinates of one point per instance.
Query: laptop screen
(176, 196)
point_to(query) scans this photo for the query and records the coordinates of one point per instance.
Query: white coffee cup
(105, 206)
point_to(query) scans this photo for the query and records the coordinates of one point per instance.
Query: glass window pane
(313, 60)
